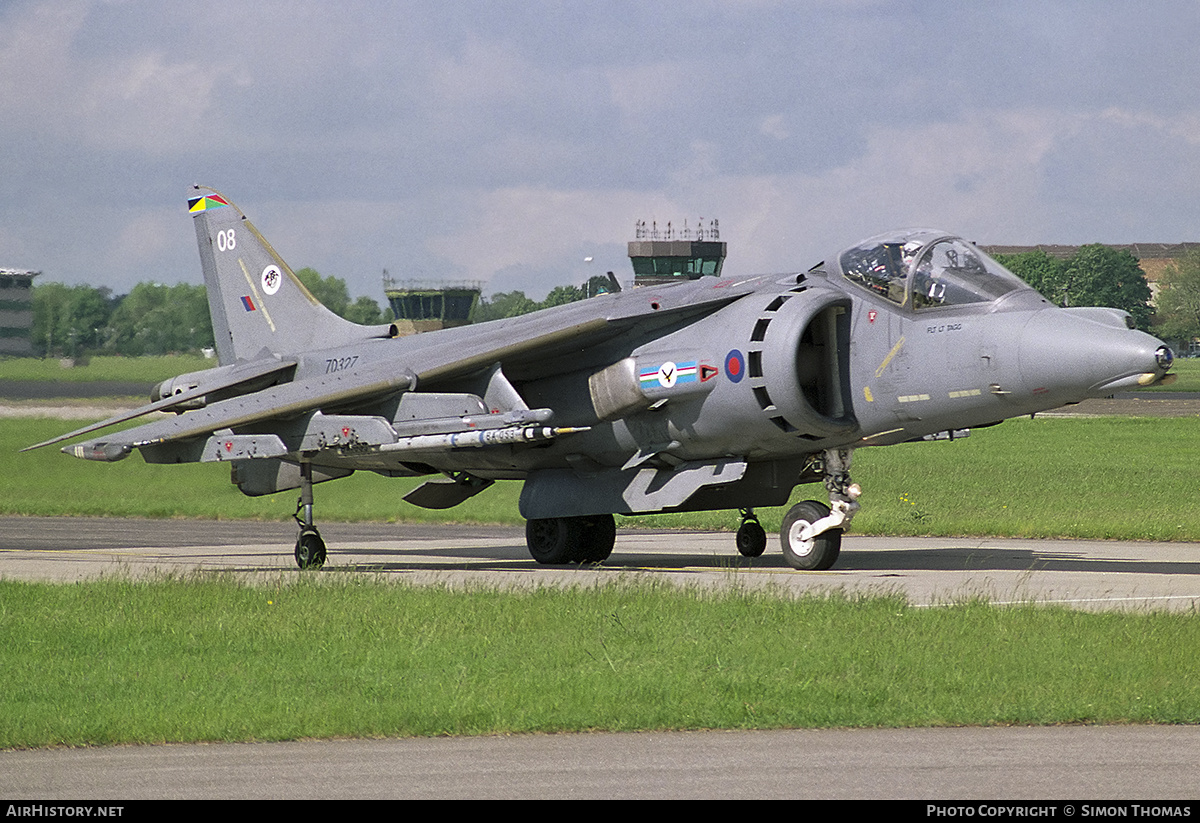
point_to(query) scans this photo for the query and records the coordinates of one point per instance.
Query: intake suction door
(800, 372)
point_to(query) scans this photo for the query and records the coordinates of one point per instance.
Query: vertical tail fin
(255, 299)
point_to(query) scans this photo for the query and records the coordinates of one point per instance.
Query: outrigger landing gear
(310, 548)
(751, 536)
(812, 532)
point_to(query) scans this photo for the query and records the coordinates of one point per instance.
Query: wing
(288, 360)
(276, 403)
(236, 376)
(400, 365)
(533, 342)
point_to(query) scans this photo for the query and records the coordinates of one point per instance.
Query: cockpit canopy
(925, 269)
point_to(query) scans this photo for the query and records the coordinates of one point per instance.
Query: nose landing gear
(802, 548)
(812, 532)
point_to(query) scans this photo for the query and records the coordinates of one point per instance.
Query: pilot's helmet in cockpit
(923, 268)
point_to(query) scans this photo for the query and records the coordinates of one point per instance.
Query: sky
(518, 143)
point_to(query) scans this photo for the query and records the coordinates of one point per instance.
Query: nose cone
(1073, 354)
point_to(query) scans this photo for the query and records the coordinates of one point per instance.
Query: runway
(1079, 763)
(996, 763)
(928, 571)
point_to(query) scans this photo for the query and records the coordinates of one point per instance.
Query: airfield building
(668, 254)
(423, 306)
(16, 312)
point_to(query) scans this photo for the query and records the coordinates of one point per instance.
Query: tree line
(156, 319)
(513, 303)
(1179, 299)
(1096, 275)
(70, 321)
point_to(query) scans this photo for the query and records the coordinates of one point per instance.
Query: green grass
(1188, 370)
(1107, 478)
(206, 658)
(209, 658)
(1114, 477)
(103, 369)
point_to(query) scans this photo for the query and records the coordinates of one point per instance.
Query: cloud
(979, 174)
(34, 48)
(472, 138)
(774, 126)
(984, 174)
(58, 84)
(542, 228)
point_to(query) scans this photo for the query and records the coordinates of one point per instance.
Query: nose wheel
(803, 550)
(812, 532)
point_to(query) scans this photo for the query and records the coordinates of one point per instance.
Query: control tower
(421, 306)
(663, 255)
(16, 311)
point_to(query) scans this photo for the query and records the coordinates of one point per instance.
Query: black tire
(556, 540)
(310, 550)
(548, 540)
(817, 554)
(597, 534)
(751, 539)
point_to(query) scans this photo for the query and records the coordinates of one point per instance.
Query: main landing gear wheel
(310, 550)
(556, 540)
(547, 540)
(815, 554)
(598, 533)
(751, 536)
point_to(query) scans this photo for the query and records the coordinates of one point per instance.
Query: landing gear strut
(587, 539)
(310, 548)
(812, 532)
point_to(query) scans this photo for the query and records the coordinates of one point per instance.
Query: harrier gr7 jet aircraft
(719, 393)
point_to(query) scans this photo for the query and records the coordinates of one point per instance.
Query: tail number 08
(226, 240)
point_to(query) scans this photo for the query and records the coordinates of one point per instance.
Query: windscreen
(924, 269)
(952, 272)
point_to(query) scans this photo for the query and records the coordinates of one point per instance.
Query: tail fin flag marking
(204, 203)
(255, 299)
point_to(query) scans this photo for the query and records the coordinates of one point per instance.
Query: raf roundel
(272, 279)
(735, 366)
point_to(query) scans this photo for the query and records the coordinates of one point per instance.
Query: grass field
(103, 369)
(1188, 370)
(209, 658)
(1121, 478)
(206, 658)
